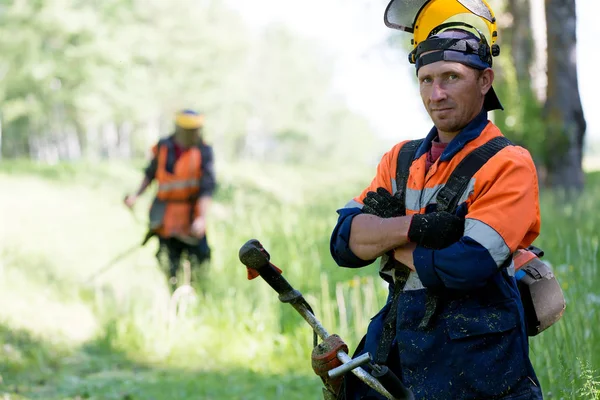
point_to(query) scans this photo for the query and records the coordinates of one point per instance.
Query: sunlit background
(377, 81)
(301, 101)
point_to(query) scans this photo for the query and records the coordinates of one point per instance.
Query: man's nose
(437, 93)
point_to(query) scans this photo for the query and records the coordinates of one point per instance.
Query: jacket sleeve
(503, 215)
(339, 244)
(150, 170)
(208, 181)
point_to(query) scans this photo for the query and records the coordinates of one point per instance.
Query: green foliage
(121, 336)
(571, 243)
(521, 120)
(75, 71)
(591, 382)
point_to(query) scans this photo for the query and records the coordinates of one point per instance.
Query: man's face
(187, 137)
(453, 93)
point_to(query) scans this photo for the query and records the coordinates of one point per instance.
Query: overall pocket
(486, 351)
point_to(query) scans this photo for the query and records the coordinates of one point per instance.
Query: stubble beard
(448, 125)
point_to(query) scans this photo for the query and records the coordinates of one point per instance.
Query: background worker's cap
(189, 119)
(452, 42)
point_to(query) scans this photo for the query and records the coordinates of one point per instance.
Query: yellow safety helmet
(420, 17)
(438, 36)
(189, 119)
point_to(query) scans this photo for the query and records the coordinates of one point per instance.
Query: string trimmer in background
(187, 239)
(330, 359)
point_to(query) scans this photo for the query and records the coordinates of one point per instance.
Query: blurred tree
(553, 132)
(521, 119)
(89, 78)
(520, 37)
(296, 113)
(565, 122)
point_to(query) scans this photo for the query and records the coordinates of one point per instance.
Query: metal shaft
(253, 255)
(342, 356)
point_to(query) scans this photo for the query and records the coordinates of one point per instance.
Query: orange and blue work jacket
(183, 176)
(475, 346)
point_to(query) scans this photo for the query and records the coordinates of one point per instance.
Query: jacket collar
(468, 133)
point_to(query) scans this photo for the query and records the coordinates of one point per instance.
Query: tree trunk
(79, 131)
(522, 121)
(82, 139)
(124, 131)
(563, 110)
(521, 41)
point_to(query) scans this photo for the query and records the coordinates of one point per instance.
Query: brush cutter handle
(254, 256)
(392, 383)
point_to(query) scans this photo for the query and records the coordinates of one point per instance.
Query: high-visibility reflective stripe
(413, 282)
(511, 269)
(418, 199)
(176, 185)
(413, 197)
(488, 238)
(353, 204)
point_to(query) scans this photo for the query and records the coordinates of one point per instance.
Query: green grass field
(121, 336)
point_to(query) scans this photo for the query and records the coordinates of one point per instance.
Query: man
(453, 326)
(183, 166)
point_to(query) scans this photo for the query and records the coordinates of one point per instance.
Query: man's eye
(426, 80)
(452, 77)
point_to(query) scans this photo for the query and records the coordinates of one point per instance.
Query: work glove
(436, 230)
(383, 204)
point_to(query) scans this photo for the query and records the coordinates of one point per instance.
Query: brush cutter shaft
(253, 255)
(366, 377)
(312, 320)
(342, 356)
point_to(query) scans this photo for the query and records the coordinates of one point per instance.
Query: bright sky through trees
(378, 82)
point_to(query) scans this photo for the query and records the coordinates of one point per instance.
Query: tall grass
(62, 224)
(570, 237)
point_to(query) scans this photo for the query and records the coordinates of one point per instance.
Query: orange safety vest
(501, 198)
(178, 191)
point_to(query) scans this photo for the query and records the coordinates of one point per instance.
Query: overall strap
(448, 197)
(406, 156)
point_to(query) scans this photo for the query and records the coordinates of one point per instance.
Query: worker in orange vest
(182, 164)
(445, 214)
